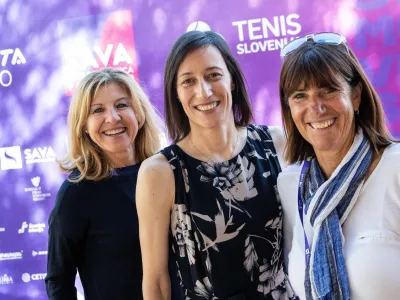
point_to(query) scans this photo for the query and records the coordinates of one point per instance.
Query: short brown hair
(176, 120)
(318, 65)
(84, 155)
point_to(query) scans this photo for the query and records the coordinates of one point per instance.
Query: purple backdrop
(46, 46)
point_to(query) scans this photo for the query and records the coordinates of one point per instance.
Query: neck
(122, 159)
(330, 160)
(217, 143)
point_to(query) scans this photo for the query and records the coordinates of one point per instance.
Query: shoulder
(288, 181)
(154, 168)
(389, 166)
(259, 131)
(155, 182)
(292, 170)
(289, 177)
(69, 203)
(277, 134)
(76, 194)
(168, 152)
(390, 161)
(70, 191)
(273, 134)
(392, 151)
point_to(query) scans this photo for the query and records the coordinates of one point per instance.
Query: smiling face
(325, 116)
(204, 87)
(112, 122)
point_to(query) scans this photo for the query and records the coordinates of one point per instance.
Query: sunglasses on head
(329, 38)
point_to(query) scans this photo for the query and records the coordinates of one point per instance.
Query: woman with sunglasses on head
(214, 189)
(341, 196)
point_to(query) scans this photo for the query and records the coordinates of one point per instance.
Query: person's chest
(371, 245)
(236, 196)
(112, 219)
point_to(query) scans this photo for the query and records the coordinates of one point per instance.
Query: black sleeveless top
(226, 223)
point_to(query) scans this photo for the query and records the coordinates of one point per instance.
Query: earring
(357, 112)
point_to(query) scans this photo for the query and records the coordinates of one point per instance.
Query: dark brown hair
(321, 65)
(176, 120)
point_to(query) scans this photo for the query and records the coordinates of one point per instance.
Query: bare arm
(154, 198)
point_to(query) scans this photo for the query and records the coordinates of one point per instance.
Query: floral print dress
(226, 223)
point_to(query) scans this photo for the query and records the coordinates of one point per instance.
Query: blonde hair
(84, 155)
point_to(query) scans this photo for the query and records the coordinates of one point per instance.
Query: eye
(97, 110)
(122, 105)
(214, 76)
(329, 90)
(298, 96)
(187, 81)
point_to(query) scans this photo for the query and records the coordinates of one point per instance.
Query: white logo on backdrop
(32, 228)
(5, 279)
(23, 227)
(10, 158)
(39, 155)
(17, 58)
(26, 277)
(37, 194)
(11, 255)
(266, 34)
(35, 181)
(198, 26)
(39, 253)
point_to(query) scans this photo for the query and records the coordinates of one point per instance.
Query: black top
(94, 228)
(226, 223)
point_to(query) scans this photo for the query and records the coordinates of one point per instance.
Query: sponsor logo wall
(43, 58)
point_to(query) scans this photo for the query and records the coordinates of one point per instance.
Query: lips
(208, 106)
(323, 124)
(116, 131)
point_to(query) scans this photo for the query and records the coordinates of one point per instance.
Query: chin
(325, 147)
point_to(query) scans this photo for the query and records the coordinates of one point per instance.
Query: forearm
(61, 264)
(60, 288)
(157, 289)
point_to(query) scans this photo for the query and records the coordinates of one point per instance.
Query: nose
(316, 105)
(112, 116)
(204, 89)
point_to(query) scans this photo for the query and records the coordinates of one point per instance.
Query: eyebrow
(116, 100)
(207, 69)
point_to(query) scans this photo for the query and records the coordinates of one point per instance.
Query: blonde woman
(93, 227)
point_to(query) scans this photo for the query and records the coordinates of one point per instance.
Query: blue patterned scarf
(327, 204)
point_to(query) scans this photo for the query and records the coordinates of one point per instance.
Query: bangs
(105, 80)
(315, 67)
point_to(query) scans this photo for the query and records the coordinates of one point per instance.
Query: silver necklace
(233, 150)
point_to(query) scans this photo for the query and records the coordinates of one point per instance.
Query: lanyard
(300, 203)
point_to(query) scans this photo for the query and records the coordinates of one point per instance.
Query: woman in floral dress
(211, 196)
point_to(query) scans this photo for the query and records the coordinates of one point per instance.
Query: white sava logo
(87, 57)
(39, 155)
